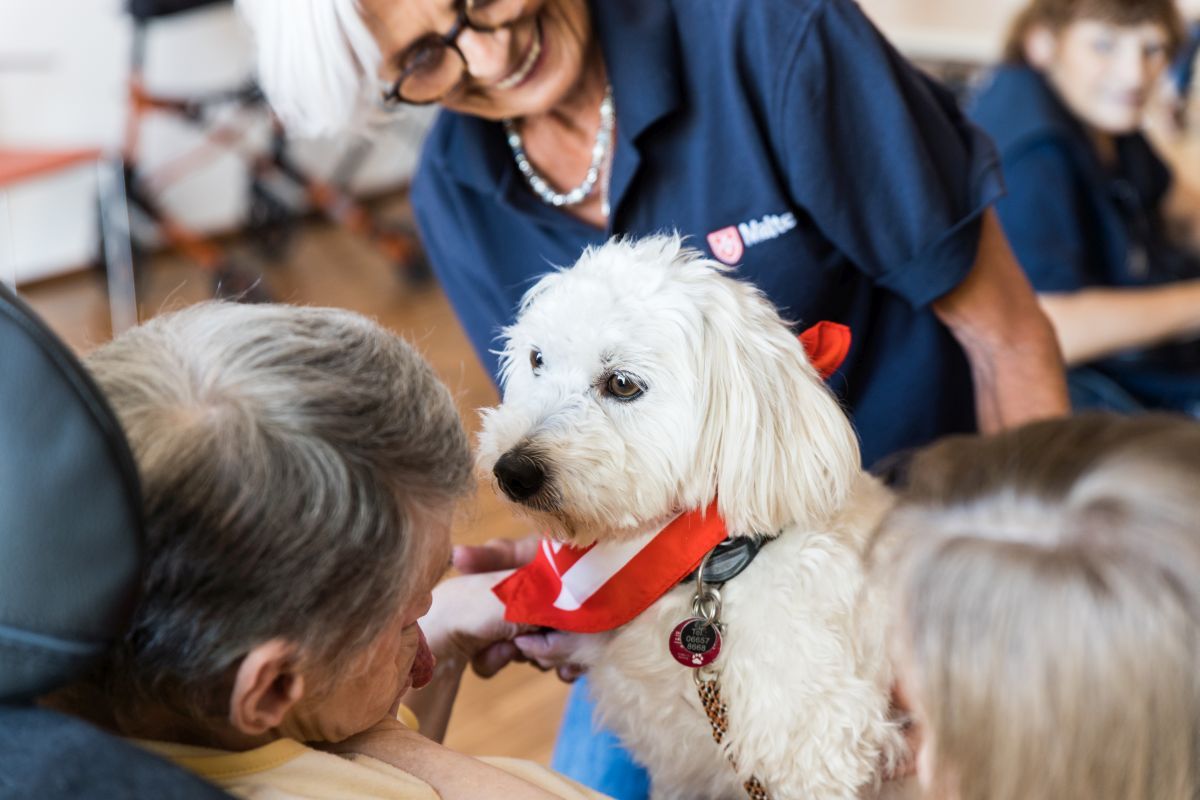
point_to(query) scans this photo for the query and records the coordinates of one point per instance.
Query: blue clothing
(1076, 224)
(51, 756)
(1183, 66)
(594, 756)
(854, 183)
(845, 184)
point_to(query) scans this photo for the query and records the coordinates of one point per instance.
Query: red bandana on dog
(604, 586)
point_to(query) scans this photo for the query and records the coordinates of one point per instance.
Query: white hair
(317, 62)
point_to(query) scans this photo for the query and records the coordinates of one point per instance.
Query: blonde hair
(1047, 587)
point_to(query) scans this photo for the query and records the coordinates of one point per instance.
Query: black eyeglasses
(433, 66)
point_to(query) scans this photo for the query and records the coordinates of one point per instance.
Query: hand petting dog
(548, 649)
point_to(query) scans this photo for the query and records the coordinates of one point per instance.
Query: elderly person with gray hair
(1046, 594)
(300, 469)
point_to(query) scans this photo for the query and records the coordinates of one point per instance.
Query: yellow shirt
(288, 770)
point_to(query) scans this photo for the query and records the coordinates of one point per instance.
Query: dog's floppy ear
(776, 441)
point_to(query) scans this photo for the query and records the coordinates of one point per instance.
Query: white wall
(61, 79)
(63, 71)
(969, 30)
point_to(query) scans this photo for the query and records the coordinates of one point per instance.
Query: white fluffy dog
(645, 381)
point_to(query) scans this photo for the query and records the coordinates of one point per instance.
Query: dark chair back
(70, 550)
(70, 522)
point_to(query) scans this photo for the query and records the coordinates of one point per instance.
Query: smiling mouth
(527, 64)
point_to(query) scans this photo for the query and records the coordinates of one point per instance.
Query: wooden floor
(517, 712)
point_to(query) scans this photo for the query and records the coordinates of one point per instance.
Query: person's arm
(452, 775)
(901, 193)
(1093, 323)
(1015, 361)
(433, 703)
(465, 626)
(544, 649)
(1181, 209)
(1053, 230)
(1049, 226)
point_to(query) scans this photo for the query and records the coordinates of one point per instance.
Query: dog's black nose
(520, 475)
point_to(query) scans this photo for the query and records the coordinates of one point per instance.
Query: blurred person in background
(786, 135)
(1109, 239)
(300, 469)
(1046, 588)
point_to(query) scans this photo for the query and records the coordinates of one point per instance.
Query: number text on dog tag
(695, 642)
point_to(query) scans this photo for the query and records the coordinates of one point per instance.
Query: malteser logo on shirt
(728, 244)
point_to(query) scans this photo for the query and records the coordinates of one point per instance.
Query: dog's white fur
(732, 408)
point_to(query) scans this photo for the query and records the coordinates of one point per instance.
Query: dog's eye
(535, 360)
(622, 387)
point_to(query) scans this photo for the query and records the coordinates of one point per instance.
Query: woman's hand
(544, 649)
(556, 650)
(466, 624)
(495, 555)
(489, 563)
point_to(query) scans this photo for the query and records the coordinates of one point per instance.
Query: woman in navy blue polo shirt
(1091, 208)
(786, 136)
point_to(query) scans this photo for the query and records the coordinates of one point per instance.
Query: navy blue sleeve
(1045, 219)
(880, 156)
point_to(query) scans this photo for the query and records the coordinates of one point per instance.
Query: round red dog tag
(695, 642)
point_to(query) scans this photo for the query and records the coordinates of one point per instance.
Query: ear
(265, 688)
(774, 438)
(1041, 47)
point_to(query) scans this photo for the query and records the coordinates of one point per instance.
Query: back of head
(1048, 587)
(1057, 14)
(287, 458)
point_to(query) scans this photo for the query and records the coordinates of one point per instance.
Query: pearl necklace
(600, 153)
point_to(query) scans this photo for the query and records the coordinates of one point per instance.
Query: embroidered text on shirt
(771, 226)
(728, 244)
